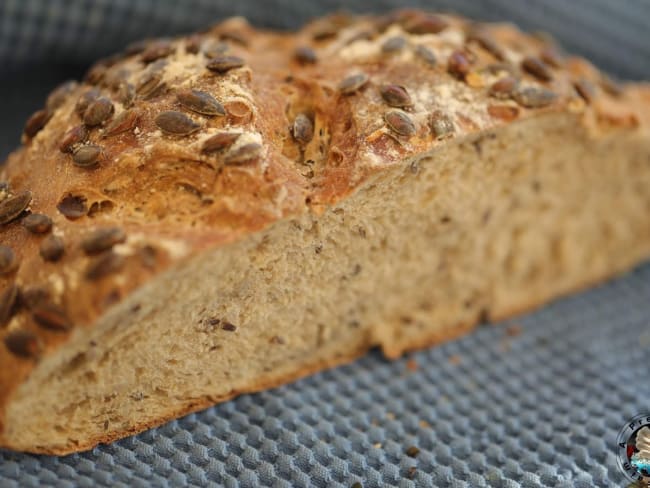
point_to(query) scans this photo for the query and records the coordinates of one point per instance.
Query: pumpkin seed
(52, 248)
(12, 207)
(353, 83)
(37, 223)
(23, 343)
(176, 123)
(102, 240)
(400, 123)
(98, 111)
(395, 96)
(303, 129)
(87, 156)
(244, 154)
(200, 102)
(219, 142)
(222, 64)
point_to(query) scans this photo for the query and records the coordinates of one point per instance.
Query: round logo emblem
(634, 449)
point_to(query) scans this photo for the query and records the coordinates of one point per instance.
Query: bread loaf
(220, 213)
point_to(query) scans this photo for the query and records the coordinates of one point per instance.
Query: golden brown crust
(173, 196)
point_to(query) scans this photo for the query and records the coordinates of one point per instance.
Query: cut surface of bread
(396, 239)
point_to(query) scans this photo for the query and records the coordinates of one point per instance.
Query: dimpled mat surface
(536, 401)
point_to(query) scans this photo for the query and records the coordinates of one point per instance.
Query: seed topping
(305, 55)
(23, 343)
(176, 123)
(534, 97)
(538, 68)
(37, 223)
(586, 89)
(102, 240)
(244, 154)
(52, 248)
(219, 141)
(393, 44)
(98, 111)
(36, 122)
(458, 64)
(441, 124)
(124, 122)
(86, 99)
(72, 206)
(303, 129)
(200, 102)
(12, 207)
(223, 64)
(157, 50)
(426, 55)
(353, 83)
(8, 260)
(400, 123)
(75, 136)
(51, 317)
(87, 156)
(8, 300)
(104, 265)
(395, 96)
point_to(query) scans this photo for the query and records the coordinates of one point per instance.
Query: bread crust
(173, 198)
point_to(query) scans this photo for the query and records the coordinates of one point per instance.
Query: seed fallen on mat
(395, 96)
(8, 260)
(303, 129)
(353, 83)
(223, 64)
(37, 223)
(102, 240)
(412, 451)
(176, 123)
(400, 123)
(52, 248)
(200, 102)
(23, 343)
(12, 207)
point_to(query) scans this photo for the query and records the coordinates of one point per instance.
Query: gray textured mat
(535, 402)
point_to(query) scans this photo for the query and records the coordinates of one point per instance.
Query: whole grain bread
(224, 212)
